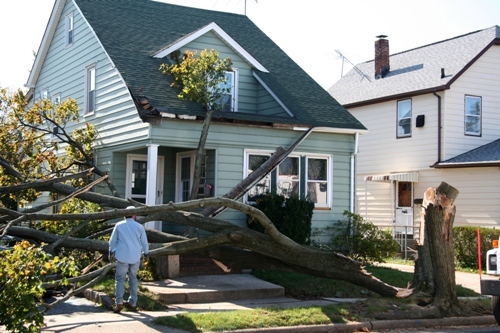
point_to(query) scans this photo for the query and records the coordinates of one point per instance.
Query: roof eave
(397, 96)
(465, 165)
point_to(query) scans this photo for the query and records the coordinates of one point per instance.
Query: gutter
(439, 128)
(353, 173)
(466, 165)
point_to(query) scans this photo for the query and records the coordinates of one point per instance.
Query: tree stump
(434, 279)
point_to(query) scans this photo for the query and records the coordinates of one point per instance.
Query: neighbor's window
(90, 89)
(404, 118)
(56, 99)
(472, 115)
(230, 98)
(312, 183)
(70, 32)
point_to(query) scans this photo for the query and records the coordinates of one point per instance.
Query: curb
(369, 326)
(99, 297)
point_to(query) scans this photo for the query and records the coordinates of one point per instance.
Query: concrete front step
(213, 288)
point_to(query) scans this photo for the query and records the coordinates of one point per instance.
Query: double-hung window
(473, 115)
(69, 29)
(306, 176)
(404, 118)
(90, 90)
(229, 98)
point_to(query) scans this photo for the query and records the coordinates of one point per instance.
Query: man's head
(131, 216)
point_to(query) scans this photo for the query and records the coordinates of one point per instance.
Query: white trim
(86, 103)
(128, 173)
(69, 19)
(332, 130)
(221, 33)
(302, 186)
(273, 95)
(179, 156)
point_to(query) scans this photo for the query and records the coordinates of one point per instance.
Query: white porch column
(151, 182)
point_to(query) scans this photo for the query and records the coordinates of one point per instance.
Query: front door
(404, 209)
(136, 179)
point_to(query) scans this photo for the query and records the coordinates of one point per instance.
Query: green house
(107, 54)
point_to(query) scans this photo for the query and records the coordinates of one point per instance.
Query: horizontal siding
(381, 152)
(481, 79)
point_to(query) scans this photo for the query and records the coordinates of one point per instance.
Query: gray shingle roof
(416, 70)
(486, 154)
(131, 31)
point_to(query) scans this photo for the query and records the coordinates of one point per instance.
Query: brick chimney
(381, 56)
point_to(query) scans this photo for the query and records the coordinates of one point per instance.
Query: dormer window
(69, 29)
(230, 98)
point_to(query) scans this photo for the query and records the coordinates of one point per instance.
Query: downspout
(353, 173)
(439, 127)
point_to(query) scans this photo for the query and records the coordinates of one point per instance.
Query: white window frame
(403, 118)
(69, 35)
(469, 115)
(90, 86)
(328, 181)
(307, 156)
(44, 94)
(178, 172)
(56, 99)
(234, 90)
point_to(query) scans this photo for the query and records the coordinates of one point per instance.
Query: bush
(292, 217)
(465, 241)
(22, 270)
(362, 240)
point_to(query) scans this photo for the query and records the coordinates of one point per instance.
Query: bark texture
(434, 279)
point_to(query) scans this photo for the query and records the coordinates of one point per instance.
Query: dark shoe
(130, 306)
(117, 308)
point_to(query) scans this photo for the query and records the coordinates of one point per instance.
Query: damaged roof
(133, 31)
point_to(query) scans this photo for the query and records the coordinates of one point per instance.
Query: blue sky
(309, 31)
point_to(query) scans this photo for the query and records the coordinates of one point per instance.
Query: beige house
(433, 115)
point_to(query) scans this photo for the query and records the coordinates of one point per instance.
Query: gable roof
(415, 71)
(133, 31)
(486, 155)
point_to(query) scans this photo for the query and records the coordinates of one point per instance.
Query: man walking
(127, 241)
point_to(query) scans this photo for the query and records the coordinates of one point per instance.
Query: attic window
(69, 35)
(230, 99)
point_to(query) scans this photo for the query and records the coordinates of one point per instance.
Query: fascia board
(222, 34)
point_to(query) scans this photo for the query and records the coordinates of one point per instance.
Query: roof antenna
(344, 58)
(246, 6)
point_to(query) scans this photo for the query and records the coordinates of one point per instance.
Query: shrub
(465, 242)
(292, 217)
(22, 270)
(363, 240)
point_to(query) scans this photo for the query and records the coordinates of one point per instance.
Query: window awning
(402, 177)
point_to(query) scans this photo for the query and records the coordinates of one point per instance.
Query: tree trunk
(434, 279)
